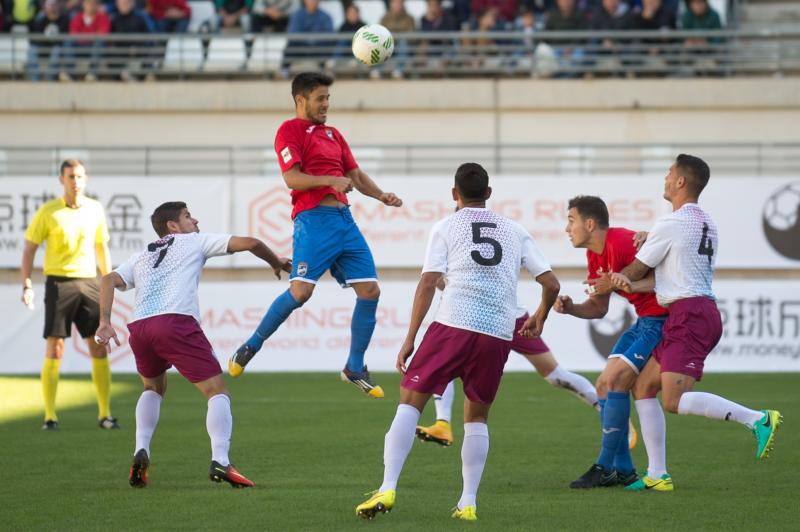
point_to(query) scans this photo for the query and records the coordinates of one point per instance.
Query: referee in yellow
(74, 228)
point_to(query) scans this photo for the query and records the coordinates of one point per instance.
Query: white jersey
(481, 253)
(167, 273)
(682, 247)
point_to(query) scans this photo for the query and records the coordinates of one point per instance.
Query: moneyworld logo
(121, 315)
(605, 332)
(269, 217)
(781, 220)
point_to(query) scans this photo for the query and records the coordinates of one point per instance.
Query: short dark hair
(591, 207)
(166, 212)
(695, 170)
(70, 163)
(472, 181)
(305, 82)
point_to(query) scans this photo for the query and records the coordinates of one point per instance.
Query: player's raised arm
(423, 297)
(364, 184)
(105, 331)
(258, 248)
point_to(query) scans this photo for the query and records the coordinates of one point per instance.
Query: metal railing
(540, 54)
(433, 160)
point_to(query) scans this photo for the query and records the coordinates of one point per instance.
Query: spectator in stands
(567, 17)
(398, 21)
(483, 47)
(233, 15)
(652, 16)
(436, 19)
(506, 11)
(50, 22)
(19, 13)
(352, 19)
(700, 16)
(307, 19)
(91, 20)
(127, 55)
(270, 15)
(170, 16)
(610, 15)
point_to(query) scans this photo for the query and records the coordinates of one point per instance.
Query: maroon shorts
(167, 340)
(527, 346)
(691, 331)
(448, 352)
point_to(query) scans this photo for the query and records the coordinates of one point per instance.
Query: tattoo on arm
(635, 270)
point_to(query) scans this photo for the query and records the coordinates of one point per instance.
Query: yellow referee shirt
(71, 235)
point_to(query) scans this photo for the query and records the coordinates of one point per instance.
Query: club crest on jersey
(302, 269)
(286, 154)
(329, 133)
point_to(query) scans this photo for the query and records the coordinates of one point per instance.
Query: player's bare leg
(362, 326)
(54, 352)
(397, 445)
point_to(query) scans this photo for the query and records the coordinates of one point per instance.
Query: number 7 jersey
(167, 272)
(481, 253)
(682, 247)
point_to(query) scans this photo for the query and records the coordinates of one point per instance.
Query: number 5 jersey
(481, 253)
(682, 247)
(167, 272)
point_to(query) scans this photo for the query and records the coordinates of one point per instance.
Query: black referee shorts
(69, 300)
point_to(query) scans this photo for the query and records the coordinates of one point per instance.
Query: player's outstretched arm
(593, 308)
(105, 331)
(367, 186)
(25, 272)
(258, 248)
(296, 179)
(422, 303)
(534, 325)
(636, 270)
(648, 284)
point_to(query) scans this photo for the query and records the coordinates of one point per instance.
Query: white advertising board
(761, 318)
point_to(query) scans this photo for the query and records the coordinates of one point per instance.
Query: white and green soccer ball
(373, 44)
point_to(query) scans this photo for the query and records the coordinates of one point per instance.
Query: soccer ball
(782, 207)
(373, 44)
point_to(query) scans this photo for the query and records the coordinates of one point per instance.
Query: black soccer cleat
(626, 479)
(50, 424)
(108, 423)
(138, 475)
(596, 477)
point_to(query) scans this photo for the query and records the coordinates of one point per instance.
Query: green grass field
(314, 446)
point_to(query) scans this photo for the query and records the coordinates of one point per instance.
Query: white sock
(397, 444)
(444, 403)
(148, 408)
(654, 433)
(572, 382)
(716, 407)
(474, 451)
(219, 423)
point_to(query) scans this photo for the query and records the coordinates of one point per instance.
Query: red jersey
(319, 150)
(619, 251)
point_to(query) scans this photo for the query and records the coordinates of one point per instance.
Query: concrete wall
(407, 112)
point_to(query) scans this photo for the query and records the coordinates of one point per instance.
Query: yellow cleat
(664, 483)
(468, 513)
(633, 437)
(234, 369)
(239, 360)
(382, 502)
(440, 432)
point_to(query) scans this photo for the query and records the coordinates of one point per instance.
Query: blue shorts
(327, 238)
(637, 343)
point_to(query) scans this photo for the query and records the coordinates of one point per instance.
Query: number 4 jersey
(481, 253)
(682, 247)
(167, 272)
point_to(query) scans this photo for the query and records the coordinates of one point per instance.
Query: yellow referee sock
(101, 377)
(50, 370)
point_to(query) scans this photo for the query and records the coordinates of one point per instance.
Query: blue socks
(361, 328)
(614, 452)
(280, 309)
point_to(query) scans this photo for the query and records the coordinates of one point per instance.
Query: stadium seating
(267, 54)
(13, 53)
(203, 12)
(371, 11)
(183, 53)
(225, 54)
